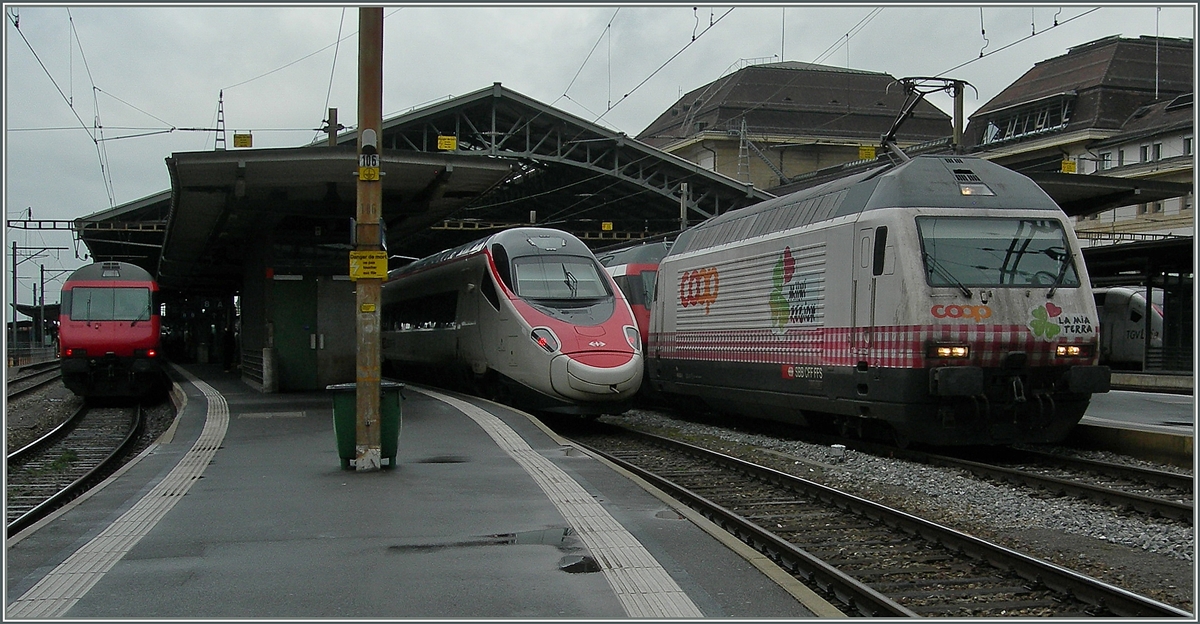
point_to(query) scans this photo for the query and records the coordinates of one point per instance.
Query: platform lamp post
(369, 240)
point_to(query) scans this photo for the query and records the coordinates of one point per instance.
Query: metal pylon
(220, 143)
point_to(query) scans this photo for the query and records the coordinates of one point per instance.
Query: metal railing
(1172, 358)
(24, 356)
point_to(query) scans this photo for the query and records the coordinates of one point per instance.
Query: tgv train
(524, 316)
(941, 301)
(1123, 313)
(109, 331)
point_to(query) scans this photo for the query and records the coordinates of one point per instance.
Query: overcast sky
(137, 72)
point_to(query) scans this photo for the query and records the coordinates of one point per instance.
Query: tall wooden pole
(369, 239)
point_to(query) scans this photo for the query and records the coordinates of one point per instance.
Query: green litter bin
(345, 421)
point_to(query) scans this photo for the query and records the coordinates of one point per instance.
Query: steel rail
(54, 375)
(847, 589)
(1120, 471)
(49, 437)
(1140, 502)
(1119, 601)
(81, 484)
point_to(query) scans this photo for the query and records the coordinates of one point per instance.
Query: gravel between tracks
(1151, 557)
(31, 416)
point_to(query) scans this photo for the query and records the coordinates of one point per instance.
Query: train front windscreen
(980, 251)
(558, 278)
(107, 304)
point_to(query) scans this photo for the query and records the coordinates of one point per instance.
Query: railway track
(1132, 489)
(67, 461)
(874, 561)
(32, 377)
(1154, 492)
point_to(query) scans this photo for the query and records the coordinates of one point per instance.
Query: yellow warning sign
(866, 152)
(447, 143)
(606, 226)
(243, 139)
(1068, 166)
(368, 265)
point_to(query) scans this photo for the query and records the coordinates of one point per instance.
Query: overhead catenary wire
(695, 38)
(1022, 39)
(333, 70)
(607, 30)
(845, 39)
(98, 126)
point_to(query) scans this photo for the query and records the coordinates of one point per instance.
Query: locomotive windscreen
(558, 277)
(107, 304)
(973, 251)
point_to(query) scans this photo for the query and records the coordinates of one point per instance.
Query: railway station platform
(242, 510)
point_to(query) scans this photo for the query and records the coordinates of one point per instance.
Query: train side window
(1134, 315)
(488, 289)
(880, 250)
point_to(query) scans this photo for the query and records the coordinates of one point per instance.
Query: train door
(871, 261)
(294, 323)
(336, 340)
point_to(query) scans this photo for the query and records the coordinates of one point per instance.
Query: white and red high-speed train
(526, 315)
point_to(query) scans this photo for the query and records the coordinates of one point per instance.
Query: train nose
(597, 376)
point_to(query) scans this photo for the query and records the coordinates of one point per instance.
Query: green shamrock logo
(1041, 325)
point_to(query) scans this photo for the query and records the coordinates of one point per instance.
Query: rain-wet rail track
(1157, 493)
(872, 560)
(1132, 489)
(32, 377)
(68, 460)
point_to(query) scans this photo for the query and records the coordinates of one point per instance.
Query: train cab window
(983, 251)
(638, 288)
(110, 304)
(649, 282)
(558, 277)
(1135, 316)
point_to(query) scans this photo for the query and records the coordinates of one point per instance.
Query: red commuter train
(635, 271)
(110, 331)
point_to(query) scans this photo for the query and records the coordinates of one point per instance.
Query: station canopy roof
(513, 161)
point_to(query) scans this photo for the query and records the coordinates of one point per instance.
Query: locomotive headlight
(545, 339)
(949, 351)
(633, 337)
(1073, 351)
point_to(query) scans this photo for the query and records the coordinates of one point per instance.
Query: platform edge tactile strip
(643, 587)
(67, 583)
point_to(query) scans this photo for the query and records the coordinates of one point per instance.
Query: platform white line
(640, 583)
(66, 584)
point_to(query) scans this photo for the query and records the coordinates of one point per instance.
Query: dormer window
(1022, 120)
